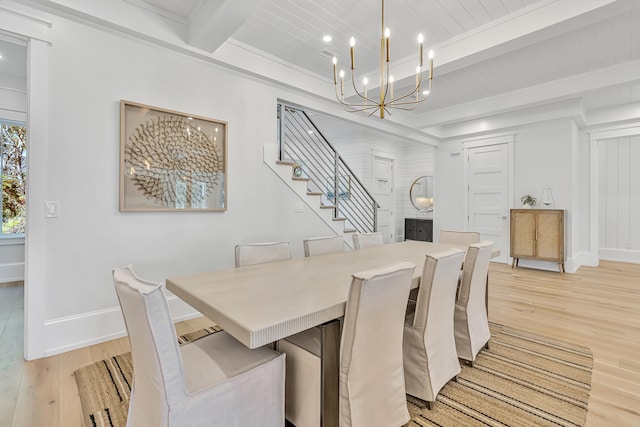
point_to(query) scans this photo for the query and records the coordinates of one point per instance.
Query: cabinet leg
(513, 263)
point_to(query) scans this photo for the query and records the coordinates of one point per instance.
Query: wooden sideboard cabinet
(537, 234)
(418, 229)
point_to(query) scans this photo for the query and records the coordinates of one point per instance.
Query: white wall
(545, 155)
(89, 72)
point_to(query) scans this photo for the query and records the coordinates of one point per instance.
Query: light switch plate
(51, 209)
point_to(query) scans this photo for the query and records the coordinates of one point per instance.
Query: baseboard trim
(73, 332)
(620, 255)
(11, 272)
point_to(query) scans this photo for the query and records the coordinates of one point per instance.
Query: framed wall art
(171, 161)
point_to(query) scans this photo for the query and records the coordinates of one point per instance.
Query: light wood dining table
(263, 303)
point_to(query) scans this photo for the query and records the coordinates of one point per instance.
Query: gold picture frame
(171, 161)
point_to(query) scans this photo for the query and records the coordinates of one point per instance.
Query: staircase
(308, 163)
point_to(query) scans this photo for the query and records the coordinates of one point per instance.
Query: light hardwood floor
(596, 307)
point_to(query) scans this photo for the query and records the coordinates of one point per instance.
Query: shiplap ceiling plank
(461, 14)
(437, 8)
(496, 8)
(513, 5)
(594, 56)
(635, 33)
(476, 9)
(605, 42)
(621, 27)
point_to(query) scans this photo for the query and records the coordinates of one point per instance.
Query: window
(13, 147)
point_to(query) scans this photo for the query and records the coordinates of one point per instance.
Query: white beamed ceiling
(492, 56)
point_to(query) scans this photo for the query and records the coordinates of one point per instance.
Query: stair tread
(350, 230)
(314, 193)
(300, 178)
(327, 206)
(285, 162)
(339, 218)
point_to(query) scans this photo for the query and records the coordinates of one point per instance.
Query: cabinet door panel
(409, 229)
(550, 241)
(523, 234)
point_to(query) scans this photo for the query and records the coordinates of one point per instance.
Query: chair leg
(430, 404)
(486, 346)
(466, 362)
(455, 379)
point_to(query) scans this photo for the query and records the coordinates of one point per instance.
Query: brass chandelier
(386, 101)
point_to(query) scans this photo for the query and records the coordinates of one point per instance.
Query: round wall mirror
(421, 194)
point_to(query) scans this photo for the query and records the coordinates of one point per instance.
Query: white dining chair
(371, 384)
(365, 240)
(214, 380)
(470, 316)
(455, 237)
(429, 346)
(322, 245)
(259, 253)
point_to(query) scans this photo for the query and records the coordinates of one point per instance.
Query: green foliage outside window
(13, 146)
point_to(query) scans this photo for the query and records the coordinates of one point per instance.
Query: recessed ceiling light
(326, 38)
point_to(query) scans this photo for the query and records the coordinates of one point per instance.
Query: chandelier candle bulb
(335, 63)
(430, 66)
(420, 40)
(352, 43)
(387, 33)
(364, 83)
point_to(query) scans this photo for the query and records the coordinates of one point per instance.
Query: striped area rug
(105, 386)
(522, 380)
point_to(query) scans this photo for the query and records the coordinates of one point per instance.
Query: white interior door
(488, 195)
(383, 193)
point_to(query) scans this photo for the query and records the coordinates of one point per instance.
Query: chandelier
(386, 101)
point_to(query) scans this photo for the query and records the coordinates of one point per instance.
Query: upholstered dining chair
(211, 381)
(371, 384)
(429, 346)
(454, 237)
(364, 240)
(470, 316)
(259, 253)
(322, 245)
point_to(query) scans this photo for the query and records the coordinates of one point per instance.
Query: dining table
(263, 303)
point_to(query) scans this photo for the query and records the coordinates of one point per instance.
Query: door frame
(35, 32)
(386, 156)
(486, 141)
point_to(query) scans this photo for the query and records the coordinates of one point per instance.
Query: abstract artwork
(171, 161)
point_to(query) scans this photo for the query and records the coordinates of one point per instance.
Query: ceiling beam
(212, 23)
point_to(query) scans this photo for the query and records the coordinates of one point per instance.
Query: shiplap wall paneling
(619, 187)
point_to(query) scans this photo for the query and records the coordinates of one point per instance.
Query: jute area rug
(522, 380)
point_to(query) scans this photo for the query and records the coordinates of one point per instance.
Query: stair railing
(302, 143)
